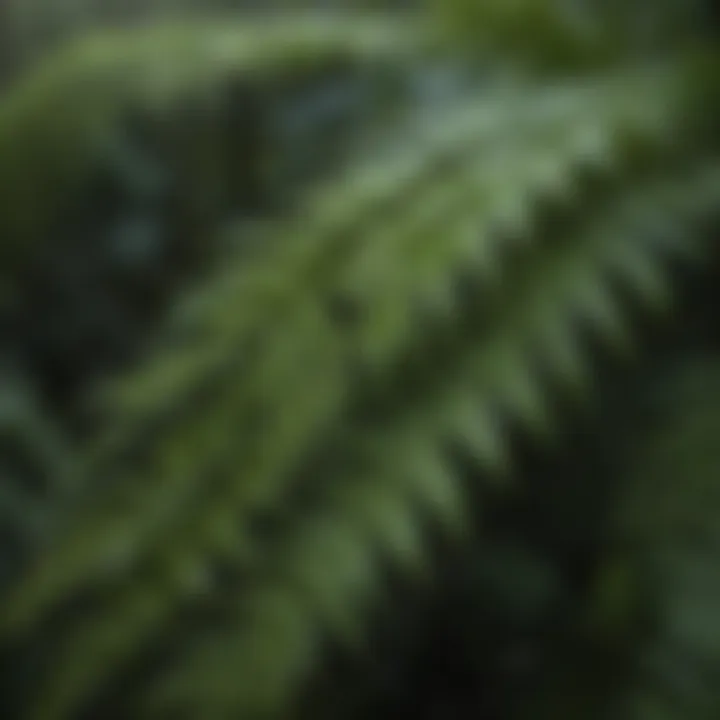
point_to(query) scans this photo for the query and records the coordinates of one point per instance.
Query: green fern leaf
(279, 409)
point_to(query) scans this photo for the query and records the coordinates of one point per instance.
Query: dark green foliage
(310, 352)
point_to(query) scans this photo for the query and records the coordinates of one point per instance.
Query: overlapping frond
(54, 123)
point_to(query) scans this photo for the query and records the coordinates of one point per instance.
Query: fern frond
(282, 409)
(207, 676)
(267, 303)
